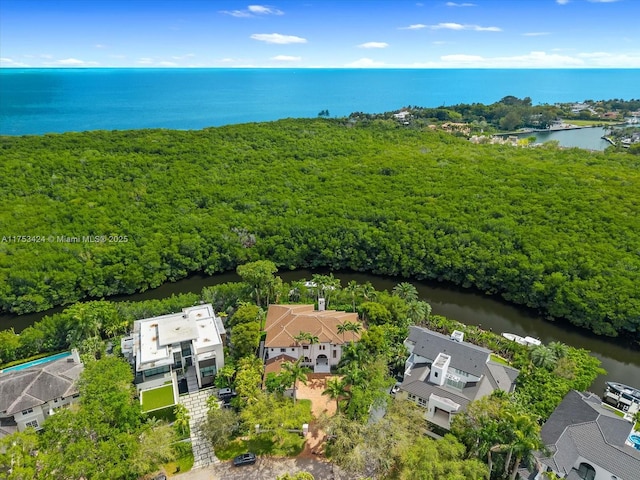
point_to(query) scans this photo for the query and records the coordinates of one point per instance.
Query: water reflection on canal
(468, 306)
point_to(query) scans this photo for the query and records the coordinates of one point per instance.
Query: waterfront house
(443, 374)
(286, 322)
(587, 441)
(30, 394)
(185, 346)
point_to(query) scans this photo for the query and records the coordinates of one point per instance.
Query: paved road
(266, 469)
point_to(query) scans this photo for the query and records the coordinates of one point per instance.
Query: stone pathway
(196, 403)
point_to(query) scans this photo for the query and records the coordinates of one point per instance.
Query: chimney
(457, 335)
(321, 304)
(439, 369)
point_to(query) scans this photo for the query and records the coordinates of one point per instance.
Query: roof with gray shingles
(28, 388)
(416, 383)
(464, 355)
(580, 427)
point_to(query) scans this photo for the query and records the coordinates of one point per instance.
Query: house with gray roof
(29, 395)
(587, 441)
(444, 374)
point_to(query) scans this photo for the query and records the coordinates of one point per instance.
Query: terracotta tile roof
(284, 322)
(274, 365)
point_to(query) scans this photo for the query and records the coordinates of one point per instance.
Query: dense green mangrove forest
(87, 215)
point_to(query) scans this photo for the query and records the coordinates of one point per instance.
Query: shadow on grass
(289, 445)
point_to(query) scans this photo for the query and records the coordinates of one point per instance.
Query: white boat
(529, 341)
(514, 338)
(532, 341)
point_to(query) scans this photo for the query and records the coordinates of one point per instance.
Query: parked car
(244, 459)
(226, 392)
(395, 388)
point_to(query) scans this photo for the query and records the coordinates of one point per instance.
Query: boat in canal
(621, 396)
(529, 341)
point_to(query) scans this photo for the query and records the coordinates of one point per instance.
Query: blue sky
(321, 33)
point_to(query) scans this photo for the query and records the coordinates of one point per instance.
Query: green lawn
(157, 398)
(498, 359)
(289, 446)
(179, 465)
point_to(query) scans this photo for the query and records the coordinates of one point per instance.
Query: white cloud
(99, 45)
(604, 1)
(416, 26)
(10, 62)
(373, 45)
(535, 34)
(459, 26)
(70, 61)
(167, 64)
(562, 2)
(529, 60)
(365, 63)
(237, 13)
(253, 11)
(286, 58)
(611, 60)
(264, 10)
(277, 38)
(145, 61)
(454, 4)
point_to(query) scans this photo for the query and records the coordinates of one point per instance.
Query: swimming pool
(635, 441)
(39, 361)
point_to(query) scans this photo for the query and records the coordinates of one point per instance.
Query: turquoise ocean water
(37, 101)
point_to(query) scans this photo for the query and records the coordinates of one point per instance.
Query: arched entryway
(322, 364)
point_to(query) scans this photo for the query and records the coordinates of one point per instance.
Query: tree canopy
(314, 193)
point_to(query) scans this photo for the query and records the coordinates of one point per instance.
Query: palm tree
(559, 349)
(368, 291)
(352, 353)
(526, 433)
(542, 356)
(354, 375)
(342, 328)
(352, 288)
(406, 291)
(336, 389)
(353, 327)
(305, 337)
(297, 373)
(416, 312)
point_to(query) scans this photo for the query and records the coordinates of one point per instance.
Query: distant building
(161, 348)
(587, 441)
(285, 322)
(29, 395)
(443, 374)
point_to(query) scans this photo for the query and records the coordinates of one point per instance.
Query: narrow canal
(621, 362)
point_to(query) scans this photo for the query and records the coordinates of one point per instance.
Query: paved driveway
(267, 469)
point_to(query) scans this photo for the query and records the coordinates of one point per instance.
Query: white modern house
(443, 374)
(285, 322)
(188, 344)
(30, 394)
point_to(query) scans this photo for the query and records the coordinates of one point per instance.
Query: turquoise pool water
(33, 363)
(635, 441)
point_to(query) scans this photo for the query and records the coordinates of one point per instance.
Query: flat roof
(197, 324)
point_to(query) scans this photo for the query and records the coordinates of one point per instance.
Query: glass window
(33, 423)
(27, 411)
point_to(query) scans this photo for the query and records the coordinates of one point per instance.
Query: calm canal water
(468, 306)
(587, 138)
